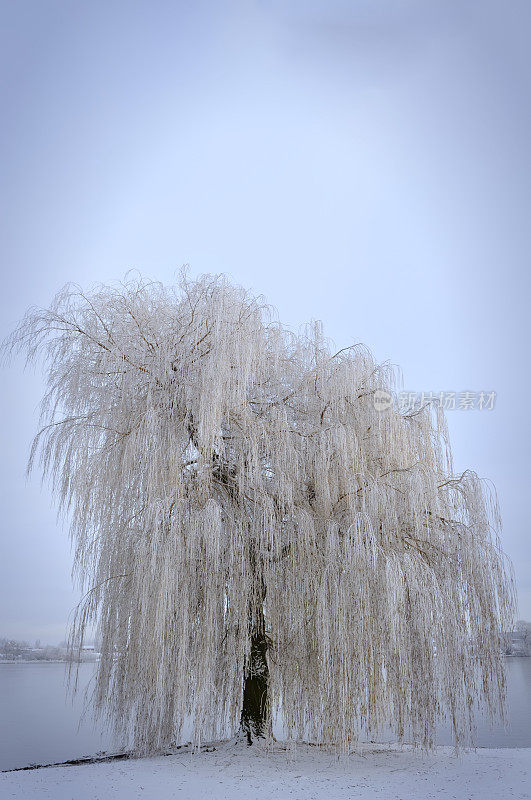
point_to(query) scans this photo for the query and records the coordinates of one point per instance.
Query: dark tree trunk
(255, 720)
(255, 717)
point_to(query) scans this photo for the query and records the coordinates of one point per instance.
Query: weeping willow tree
(256, 535)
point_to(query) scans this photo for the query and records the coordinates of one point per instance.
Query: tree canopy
(230, 482)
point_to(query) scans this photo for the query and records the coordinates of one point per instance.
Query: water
(518, 732)
(39, 724)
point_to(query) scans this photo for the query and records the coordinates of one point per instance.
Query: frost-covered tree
(254, 533)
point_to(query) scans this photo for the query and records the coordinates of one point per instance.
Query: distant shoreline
(47, 661)
(95, 660)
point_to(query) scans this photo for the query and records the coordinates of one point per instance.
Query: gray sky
(361, 162)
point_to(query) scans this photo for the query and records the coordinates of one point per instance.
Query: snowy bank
(237, 773)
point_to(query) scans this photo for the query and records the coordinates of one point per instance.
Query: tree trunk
(255, 717)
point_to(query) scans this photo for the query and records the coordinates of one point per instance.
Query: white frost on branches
(204, 453)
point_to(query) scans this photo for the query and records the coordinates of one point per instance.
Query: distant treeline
(518, 641)
(12, 650)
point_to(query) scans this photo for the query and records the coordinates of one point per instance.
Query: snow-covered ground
(241, 773)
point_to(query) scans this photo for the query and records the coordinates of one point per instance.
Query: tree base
(255, 721)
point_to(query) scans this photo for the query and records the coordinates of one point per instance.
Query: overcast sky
(361, 162)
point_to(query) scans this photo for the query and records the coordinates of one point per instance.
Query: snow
(234, 771)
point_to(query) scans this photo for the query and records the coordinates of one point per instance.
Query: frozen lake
(39, 724)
